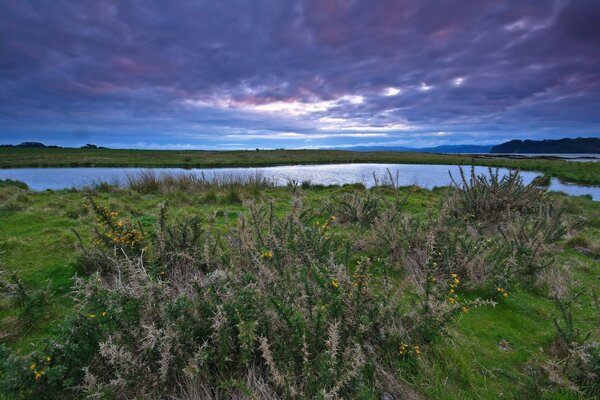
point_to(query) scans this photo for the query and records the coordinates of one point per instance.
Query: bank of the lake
(574, 172)
(426, 176)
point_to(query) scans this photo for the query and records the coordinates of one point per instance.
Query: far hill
(560, 146)
(448, 149)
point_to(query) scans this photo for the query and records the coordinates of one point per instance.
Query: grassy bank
(298, 292)
(585, 173)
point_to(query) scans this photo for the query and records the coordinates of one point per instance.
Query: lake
(426, 176)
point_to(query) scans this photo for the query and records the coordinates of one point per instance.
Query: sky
(232, 74)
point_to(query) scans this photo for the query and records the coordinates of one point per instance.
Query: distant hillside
(564, 146)
(451, 149)
(38, 145)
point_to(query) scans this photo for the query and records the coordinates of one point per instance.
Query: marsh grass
(150, 181)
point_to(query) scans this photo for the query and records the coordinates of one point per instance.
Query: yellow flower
(268, 254)
(335, 283)
(32, 366)
(505, 294)
(452, 291)
(92, 316)
(454, 275)
(417, 350)
(104, 313)
(452, 300)
(38, 375)
(48, 358)
(333, 218)
(465, 309)
(403, 349)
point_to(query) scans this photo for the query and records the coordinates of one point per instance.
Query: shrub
(274, 307)
(579, 357)
(486, 197)
(528, 238)
(354, 207)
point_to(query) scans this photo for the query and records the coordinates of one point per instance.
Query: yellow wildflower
(92, 316)
(267, 254)
(48, 358)
(32, 366)
(403, 349)
(417, 350)
(335, 283)
(452, 300)
(104, 313)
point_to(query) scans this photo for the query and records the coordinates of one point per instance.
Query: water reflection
(427, 176)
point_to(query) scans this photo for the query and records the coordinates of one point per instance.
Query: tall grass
(150, 181)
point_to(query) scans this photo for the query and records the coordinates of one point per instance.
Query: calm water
(427, 176)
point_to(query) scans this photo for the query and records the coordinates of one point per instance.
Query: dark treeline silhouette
(579, 145)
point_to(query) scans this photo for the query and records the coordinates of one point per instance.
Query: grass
(487, 353)
(584, 173)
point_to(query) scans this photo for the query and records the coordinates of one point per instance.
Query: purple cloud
(267, 73)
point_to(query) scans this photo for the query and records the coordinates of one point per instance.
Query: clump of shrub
(575, 365)
(272, 307)
(486, 197)
(27, 301)
(356, 207)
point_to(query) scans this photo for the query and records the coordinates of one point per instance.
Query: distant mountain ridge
(452, 149)
(558, 146)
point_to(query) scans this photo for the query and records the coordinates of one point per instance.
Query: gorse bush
(355, 207)
(577, 357)
(276, 299)
(485, 197)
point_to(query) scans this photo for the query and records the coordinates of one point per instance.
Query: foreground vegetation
(193, 289)
(585, 173)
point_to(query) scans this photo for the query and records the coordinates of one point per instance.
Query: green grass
(585, 173)
(37, 242)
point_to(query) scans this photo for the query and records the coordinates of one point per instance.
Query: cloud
(304, 136)
(276, 73)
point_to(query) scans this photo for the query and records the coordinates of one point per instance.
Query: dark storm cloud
(298, 73)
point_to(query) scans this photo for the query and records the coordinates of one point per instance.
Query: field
(584, 173)
(232, 289)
